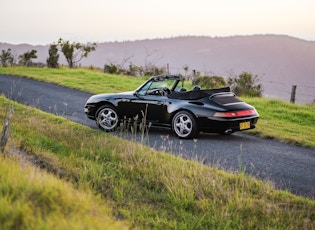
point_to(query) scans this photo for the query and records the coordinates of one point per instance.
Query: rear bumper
(221, 125)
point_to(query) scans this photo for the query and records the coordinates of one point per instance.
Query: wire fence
(303, 93)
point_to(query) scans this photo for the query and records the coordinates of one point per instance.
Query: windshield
(158, 84)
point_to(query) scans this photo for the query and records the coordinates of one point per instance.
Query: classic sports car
(163, 101)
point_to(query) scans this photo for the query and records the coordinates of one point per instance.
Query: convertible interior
(196, 94)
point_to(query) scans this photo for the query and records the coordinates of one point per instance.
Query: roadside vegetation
(291, 123)
(31, 198)
(280, 120)
(94, 176)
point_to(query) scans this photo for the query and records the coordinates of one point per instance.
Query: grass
(33, 199)
(291, 123)
(146, 188)
(89, 80)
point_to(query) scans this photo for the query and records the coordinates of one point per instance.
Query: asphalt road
(285, 166)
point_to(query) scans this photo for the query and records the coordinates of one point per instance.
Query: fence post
(293, 91)
(5, 131)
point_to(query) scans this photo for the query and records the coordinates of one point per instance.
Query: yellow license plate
(245, 125)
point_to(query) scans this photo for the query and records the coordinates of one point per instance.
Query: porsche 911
(163, 101)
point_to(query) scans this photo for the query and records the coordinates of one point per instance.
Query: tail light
(234, 114)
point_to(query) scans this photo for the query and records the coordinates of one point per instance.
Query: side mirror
(136, 93)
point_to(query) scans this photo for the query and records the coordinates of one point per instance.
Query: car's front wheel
(184, 125)
(107, 118)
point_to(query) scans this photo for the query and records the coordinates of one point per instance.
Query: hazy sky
(44, 22)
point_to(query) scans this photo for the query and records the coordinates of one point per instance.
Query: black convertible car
(163, 101)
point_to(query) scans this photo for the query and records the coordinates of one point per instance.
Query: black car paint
(159, 110)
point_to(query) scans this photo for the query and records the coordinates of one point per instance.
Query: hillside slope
(279, 61)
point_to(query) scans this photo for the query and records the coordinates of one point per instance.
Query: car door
(156, 108)
(131, 107)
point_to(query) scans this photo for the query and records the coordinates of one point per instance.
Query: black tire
(107, 118)
(184, 125)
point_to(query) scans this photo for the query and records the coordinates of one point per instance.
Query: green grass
(32, 199)
(292, 123)
(146, 188)
(287, 122)
(89, 80)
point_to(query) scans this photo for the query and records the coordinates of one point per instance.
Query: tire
(184, 125)
(107, 118)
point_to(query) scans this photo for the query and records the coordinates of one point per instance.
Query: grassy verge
(89, 80)
(33, 199)
(149, 189)
(293, 124)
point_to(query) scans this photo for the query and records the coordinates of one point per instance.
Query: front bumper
(89, 110)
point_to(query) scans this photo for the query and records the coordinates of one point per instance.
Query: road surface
(286, 166)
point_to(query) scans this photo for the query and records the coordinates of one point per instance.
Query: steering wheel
(165, 91)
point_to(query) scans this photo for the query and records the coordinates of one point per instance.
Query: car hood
(109, 96)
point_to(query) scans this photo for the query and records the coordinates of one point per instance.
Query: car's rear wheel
(107, 118)
(184, 125)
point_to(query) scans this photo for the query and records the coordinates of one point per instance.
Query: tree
(52, 60)
(26, 58)
(151, 58)
(6, 58)
(246, 84)
(75, 52)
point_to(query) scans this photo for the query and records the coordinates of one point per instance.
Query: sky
(42, 22)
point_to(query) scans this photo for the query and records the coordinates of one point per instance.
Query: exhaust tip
(228, 131)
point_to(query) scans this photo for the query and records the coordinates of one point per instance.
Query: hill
(279, 61)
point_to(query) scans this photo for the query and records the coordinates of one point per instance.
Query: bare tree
(151, 58)
(125, 60)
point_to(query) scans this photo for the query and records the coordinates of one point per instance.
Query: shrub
(111, 68)
(210, 82)
(246, 85)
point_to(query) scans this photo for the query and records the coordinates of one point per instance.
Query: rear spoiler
(227, 94)
(215, 91)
